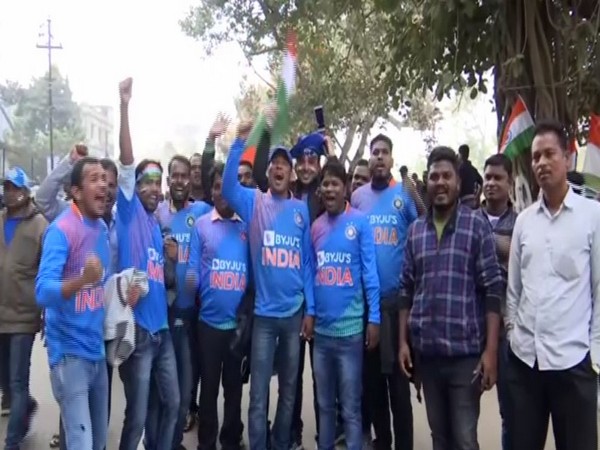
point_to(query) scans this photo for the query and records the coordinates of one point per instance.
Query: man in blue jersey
(450, 304)
(73, 268)
(281, 251)
(390, 209)
(346, 272)
(218, 268)
(176, 218)
(153, 362)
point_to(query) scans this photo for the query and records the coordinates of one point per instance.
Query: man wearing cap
(282, 261)
(22, 228)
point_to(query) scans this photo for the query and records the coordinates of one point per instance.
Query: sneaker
(296, 446)
(5, 408)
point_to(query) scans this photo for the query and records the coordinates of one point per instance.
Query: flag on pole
(285, 89)
(518, 134)
(591, 163)
(573, 153)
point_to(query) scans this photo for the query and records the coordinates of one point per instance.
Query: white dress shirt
(553, 296)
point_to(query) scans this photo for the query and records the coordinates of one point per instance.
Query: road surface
(46, 421)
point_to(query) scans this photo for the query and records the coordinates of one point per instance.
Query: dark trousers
(364, 404)
(218, 364)
(452, 401)
(568, 396)
(194, 346)
(383, 391)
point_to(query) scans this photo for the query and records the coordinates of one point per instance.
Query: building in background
(98, 124)
(6, 126)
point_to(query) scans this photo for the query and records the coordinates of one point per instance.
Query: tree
(28, 144)
(340, 53)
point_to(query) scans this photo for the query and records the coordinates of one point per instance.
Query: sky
(177, 89)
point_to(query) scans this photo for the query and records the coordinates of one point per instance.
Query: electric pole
(49, 45)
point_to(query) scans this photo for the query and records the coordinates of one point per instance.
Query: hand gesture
(170, 248)
(270, 113)
(125, 90)
(405, 360)
(219, 126)
(133, 294)
(372, 336)
(243, 130)
(488, 369)
(308, 327)
(92, 271)
(77, 152)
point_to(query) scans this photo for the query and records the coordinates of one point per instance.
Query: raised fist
(125, 89)
(92, 271)
(77, 152)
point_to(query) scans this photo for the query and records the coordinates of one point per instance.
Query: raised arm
(240, 198)
(126, 178)
(217, 129)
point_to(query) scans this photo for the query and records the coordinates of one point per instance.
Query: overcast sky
(175, 87)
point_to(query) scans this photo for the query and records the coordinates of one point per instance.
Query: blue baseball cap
(18, 177)
(279, 150)
(312, 144)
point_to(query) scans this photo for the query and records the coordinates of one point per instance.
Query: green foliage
(340, 53)
(29, 144)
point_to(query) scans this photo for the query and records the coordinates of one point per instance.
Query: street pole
(50, 46)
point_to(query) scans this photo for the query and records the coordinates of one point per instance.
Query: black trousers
(385, 391)
(218, 364)
(568, 396)
(194, 346)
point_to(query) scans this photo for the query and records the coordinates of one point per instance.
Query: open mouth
(278, 177)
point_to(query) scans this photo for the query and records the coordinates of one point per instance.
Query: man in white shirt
(553, 307)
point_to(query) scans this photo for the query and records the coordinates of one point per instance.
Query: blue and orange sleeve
(308, 265)
(195, 261)
(48, 283)
(240, 198)
(370, 276)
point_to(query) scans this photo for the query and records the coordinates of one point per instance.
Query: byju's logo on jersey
(398, 203)
(298, 220)
(269, 238)
(350, 231)
(320, 258)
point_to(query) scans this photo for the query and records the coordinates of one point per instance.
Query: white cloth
(553, 296)
(119, 322)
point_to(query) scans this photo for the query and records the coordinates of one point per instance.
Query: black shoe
(5, 408)
(32, 409)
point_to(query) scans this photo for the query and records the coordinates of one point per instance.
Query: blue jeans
(501, 390)
(267, 333)
(151, 364)
(452, 401)
(338, 374)
(180, 326)
(16, 349)
(81, 390)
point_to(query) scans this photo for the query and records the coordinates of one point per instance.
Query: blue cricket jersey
(346, 273)
(390, 212)
(181, 226)
(74, 326)
(280, 246)
(219, 261)
(141, 247)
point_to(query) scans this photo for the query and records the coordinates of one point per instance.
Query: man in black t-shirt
(470, 179)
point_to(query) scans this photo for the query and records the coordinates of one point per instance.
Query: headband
(151, 171)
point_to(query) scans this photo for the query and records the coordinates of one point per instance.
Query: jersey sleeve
(48, 284)
(126, 197)
(370, 277)
(308, 265)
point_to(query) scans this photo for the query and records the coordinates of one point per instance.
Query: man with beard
(553, 307)
(343, 243)
(176, 219)
(153, 363)
(361, 175)
(450, 303)
(70, 285)
(282, 261)
(22, 228)
(51, 206)
(390, 209)
(497, 210)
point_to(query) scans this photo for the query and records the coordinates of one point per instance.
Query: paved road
(46, 421)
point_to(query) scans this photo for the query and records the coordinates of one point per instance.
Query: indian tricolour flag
(518, 134)
(591, 164)
(285, 89)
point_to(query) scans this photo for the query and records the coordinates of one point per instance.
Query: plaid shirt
(450, 286)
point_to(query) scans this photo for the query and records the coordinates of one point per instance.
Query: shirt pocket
(568, 259)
